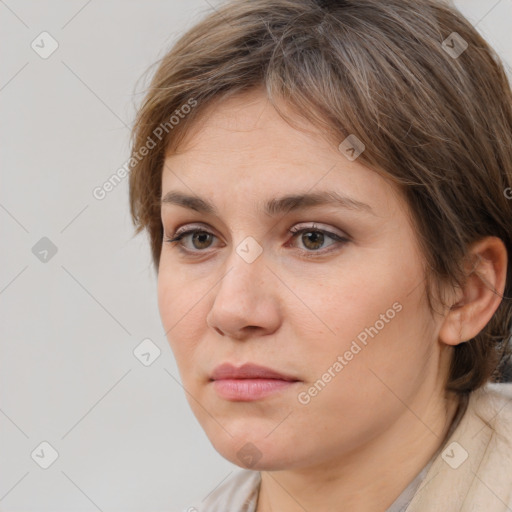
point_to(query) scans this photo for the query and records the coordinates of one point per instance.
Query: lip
(248, 371)
(249, 381)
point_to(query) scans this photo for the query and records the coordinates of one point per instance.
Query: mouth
(249, 382)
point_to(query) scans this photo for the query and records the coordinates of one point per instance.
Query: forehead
(242, 146)
(244, 122)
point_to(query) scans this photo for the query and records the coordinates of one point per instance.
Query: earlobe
(481, 294)
(452, 330)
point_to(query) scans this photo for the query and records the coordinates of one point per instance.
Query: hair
(436, 123)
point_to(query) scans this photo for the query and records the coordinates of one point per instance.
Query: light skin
(374, 426)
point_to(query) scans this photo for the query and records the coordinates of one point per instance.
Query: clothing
(471, 471)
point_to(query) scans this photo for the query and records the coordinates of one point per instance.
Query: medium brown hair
(437, 124)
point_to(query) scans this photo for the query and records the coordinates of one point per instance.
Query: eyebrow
(274, 206)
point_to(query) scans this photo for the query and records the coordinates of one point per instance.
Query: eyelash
(340, 240)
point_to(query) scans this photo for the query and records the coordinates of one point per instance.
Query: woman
(327, 191)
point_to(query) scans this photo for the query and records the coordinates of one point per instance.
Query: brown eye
(313, 240)
(200, 239)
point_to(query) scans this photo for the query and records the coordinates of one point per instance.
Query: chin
(258, 453)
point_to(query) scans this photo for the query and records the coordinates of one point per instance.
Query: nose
(246, 301)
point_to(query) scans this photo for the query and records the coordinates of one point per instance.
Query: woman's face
(346, 319)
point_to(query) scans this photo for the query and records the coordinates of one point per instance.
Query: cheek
(167, 300)
(375, 314)
(340, 304)
(182, 316)
(366, 390)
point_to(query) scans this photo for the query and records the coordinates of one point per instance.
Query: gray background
(124, 433)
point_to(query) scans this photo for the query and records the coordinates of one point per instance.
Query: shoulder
(496, 391)
(237, 493)
(473, 470)
(492, 404)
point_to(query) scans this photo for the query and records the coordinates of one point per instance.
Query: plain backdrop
(77, 290)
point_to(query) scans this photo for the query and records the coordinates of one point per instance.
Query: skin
(374, 426)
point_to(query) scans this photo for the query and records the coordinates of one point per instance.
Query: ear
(481, 294)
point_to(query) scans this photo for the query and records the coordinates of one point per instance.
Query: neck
(372, 477)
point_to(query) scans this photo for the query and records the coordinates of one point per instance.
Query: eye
(200, 238)
(312, 239)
